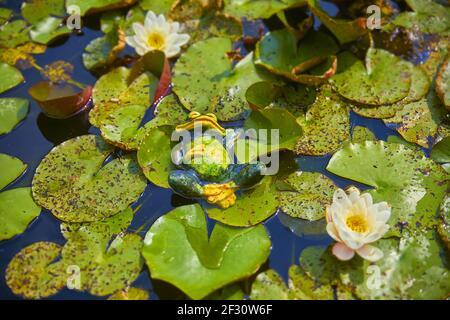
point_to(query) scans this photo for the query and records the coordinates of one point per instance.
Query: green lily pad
(258, 9)
(279, 53)
(269, 285)
(230, 292)
(12, 112)
(441, 151)
(443, 83)
(31, 274)
(130, 294)
(14, 33)
(205, 80)
(410, 183)
(12, 168)
(304, 228)
(158, 7)
(49, 29)
(120, 105)
(361, 134)
(107, 263)
(305, 195)
(294, 98)
(444, 227)
(103, 50)
(344, 30)
(428, 16)
(89, 191)
(198, 265)
(5, 15)
(17, 210)
(36, 10)
(276, 124)
(154, 155)
(325, 126)
(252, 206)
(9, 77)
(93, 6)
(384, 79)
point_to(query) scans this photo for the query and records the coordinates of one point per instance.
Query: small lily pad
(9, 77)
(325, 126)
(384, 79)
(205, 80)
(103, 50)
(305, 195)
(14, 33)
(154, 155)
(12, 168)
(130, 294)
(279, 53)
(12, 112)
(89, 191)
(344, 30)
(31, 274)
(410, 183)
(252, 206)
(198, 265)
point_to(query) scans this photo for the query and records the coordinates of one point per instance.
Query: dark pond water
(37, 134)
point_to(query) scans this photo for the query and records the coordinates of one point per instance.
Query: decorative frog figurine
(207, 170)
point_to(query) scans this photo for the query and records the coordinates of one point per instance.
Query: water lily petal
(332, 231)
(342, 252)
(369, 253)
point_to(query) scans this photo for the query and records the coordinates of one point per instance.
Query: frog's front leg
(186, 184)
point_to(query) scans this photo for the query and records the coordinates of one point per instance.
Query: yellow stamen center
(357, 223)
(156, 40)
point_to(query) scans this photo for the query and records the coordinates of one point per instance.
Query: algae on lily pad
(90, 190)
(12, 112)
(252, 206)
(31, 273)
(410, 183)
(120, 101)
(326, 124)
(177, 250)
(305, 195)
(383, 79)
(279, 53)
(9, 77)
(205, 80)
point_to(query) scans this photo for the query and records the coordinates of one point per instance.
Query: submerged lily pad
(305, 195)
(384, 79)
(410, 183)
(154, 155)
(12, 168)
(177, 250)
(252, 206)
(89, 191)
(325, 126)
(205, 80)
(130, 294)
(278, 52)
(31, 274)
(9, 77)
(12, 111)
(344, 30)
(428, 16)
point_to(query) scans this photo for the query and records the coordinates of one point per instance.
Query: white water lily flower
(354, 221)
(157, 34)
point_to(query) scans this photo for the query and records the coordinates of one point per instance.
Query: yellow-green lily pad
(383, 79)
(9, 77)
(130, 294)
(205, 80)
(93, 6)
(89, 191)
(443, 82)
(12, 168)
(12, 112)
(305, 195)
(177, 250)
